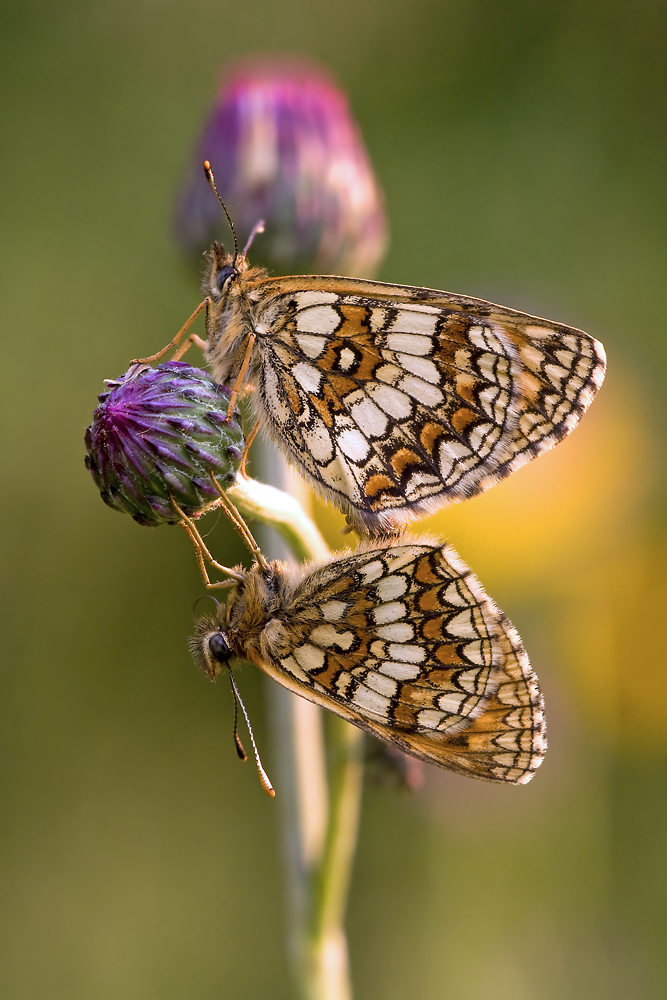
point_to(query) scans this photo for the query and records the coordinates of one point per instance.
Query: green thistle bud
(157, 435)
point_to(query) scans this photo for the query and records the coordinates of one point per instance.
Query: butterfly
(391, 400)
(398, 638)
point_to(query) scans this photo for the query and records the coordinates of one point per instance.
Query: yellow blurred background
(522, 149)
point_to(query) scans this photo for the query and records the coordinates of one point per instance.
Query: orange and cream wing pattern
(394, 400)
(403, 641)
(507, 742)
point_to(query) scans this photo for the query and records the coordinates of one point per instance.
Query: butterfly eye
(223, 276)
(219, 648)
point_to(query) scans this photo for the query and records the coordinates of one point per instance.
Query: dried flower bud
(159, 433)
(284, 148)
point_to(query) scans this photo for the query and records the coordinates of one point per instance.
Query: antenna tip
(207, 166)
(240, 752)
(264, 780)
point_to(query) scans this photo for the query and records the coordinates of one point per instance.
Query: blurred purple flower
(284, 148)
(159, 433)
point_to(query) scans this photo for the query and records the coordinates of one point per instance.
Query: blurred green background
(522, 148)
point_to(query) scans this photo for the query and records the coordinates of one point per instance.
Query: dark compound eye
(219, 647)
(223, 274)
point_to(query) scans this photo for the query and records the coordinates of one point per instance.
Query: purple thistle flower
(158, 434)
(284, 148)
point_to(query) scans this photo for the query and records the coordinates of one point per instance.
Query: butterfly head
(223, 271)
(210, 647)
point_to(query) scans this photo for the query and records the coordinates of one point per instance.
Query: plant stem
(328, 944)
(280, 511)
(320, 823)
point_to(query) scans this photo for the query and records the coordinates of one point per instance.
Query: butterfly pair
(392, 401)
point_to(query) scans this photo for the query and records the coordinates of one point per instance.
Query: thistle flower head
(157, 435)
(285, 149)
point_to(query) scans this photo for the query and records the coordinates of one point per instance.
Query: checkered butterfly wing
(393, 400)
(403, 641)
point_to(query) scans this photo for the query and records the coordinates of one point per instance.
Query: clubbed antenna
(211, 179)
(263, 776)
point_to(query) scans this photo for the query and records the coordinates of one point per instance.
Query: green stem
(320, 823)
(328, 945)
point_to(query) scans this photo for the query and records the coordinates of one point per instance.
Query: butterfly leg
(181, 333)
(242, 528)
(240, 378)
(248, 441)
(202, 565)
(203, 554)
(193, 340)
